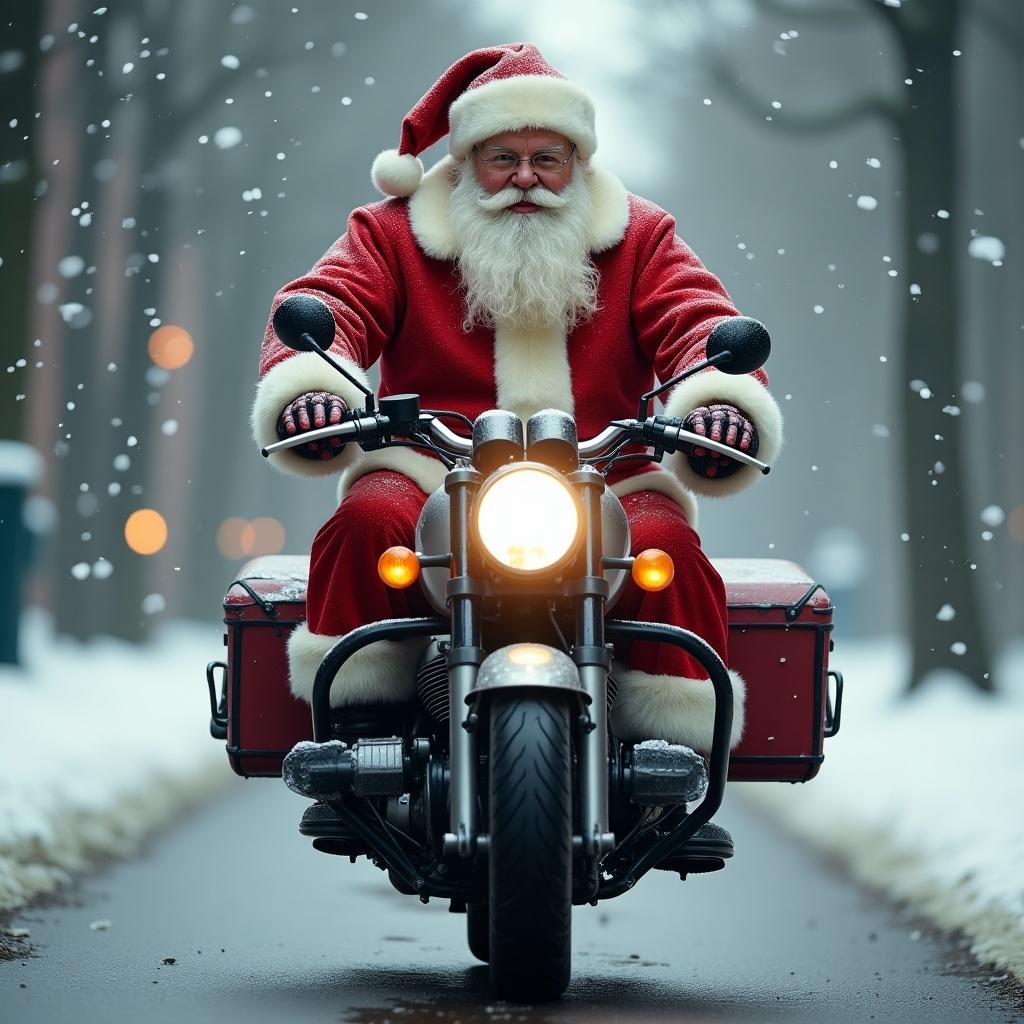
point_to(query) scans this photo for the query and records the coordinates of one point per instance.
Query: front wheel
(530, 846)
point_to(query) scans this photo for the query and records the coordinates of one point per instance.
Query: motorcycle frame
(591, 651)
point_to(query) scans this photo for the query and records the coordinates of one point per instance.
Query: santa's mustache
(538, 195)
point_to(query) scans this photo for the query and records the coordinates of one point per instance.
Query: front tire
(530, 846)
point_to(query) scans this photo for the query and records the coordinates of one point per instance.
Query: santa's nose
(525, 176)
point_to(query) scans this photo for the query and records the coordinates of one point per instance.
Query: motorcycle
(501, 787)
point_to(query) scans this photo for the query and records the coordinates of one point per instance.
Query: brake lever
(350, 430)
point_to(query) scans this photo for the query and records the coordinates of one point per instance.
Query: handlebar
(368, 430)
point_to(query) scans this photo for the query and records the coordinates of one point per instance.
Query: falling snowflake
(987, 248)
(993, 515)
(225, 138)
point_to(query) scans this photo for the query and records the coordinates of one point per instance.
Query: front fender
(536, 666)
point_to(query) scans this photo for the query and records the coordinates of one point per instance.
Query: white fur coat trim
(429, 209)
(285, 382)
(673, 708)
(746, 393)
(531, 370)
(382, 673)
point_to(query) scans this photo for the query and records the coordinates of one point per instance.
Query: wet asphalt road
(263, 928)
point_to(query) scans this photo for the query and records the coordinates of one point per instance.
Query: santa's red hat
(496, 89)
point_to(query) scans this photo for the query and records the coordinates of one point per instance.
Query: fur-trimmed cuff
(382, 673)
(281, 384)
(746, 393)
(649, 707)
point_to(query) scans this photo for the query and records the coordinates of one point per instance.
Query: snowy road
(261, 928)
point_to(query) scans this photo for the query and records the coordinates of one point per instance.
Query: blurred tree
(924, 117)
(19, 70)
(79, 601)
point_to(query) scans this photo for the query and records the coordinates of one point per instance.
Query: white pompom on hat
(496, 89)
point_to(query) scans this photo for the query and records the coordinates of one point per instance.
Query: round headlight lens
(527, 518)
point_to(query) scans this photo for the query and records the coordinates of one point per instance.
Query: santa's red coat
(393, 286)
(392, 283)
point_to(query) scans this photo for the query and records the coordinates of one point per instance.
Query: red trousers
(381, 509)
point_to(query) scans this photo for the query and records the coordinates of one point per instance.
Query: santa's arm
(677, 302)
(359, 281)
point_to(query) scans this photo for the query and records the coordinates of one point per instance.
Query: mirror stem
(645, 400)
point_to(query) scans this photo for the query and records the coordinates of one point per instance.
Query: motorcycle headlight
(528, 518)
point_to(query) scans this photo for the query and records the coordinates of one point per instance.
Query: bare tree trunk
(78, 599)
(17, 205)
(18, 175)
(940, 565)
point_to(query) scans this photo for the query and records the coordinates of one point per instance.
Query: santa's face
(521, 215)
(530, 158)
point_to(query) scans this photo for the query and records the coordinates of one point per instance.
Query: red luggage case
(779, 625)
(261, 608)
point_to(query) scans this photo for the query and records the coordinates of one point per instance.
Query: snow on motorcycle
(500, 787)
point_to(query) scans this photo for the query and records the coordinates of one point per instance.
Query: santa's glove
(307, 412)
(724, 423)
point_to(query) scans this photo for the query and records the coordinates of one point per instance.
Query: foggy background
(183, 160)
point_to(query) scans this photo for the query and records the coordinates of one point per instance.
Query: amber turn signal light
(653, 569)
(398, 567)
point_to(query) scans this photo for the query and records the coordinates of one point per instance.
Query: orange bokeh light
(240, 538)
(171, 347)
(235, 537)
(145, 531)
(398, 567)
(268, 536)
(653, 569)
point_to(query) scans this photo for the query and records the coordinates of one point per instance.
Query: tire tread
(530, 846)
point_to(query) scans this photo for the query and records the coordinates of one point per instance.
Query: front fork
(593, 658)
(590, 654)
(464, 658)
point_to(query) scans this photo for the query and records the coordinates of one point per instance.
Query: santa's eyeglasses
(545, 162)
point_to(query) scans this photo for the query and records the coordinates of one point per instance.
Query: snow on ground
(101, 743)
(921, 796)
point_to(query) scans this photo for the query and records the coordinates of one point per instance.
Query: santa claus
(515, 274)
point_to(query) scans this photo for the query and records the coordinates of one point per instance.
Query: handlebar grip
(672, 437)
(361, 429)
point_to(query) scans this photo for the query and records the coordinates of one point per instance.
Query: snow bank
(920, 796)
(101, 743)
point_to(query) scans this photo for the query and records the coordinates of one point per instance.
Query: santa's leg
(379, 511)
(663, 693)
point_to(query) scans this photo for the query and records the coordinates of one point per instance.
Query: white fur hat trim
(396, 174)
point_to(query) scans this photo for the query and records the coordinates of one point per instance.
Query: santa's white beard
(524, 270)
